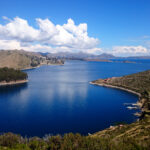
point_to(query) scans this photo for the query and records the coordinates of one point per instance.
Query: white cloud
(13, 44)
(17, 33)
(9, 44)
(46, 29)
(48, 37)
(129, 50)
(18, 29)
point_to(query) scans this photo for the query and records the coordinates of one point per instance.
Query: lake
(59, 99)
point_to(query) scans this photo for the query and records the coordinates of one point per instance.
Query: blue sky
(121, 26)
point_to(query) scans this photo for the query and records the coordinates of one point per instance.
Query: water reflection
(15, 95)
(13, 88)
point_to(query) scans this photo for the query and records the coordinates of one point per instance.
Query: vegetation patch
(10, 74)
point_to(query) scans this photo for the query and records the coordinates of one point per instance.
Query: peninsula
(138, 83)
(10, 76)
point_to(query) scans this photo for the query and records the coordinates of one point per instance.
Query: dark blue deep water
(59, 99)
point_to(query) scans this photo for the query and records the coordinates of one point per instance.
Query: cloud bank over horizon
(48, 37)
(18, 34)
(129, 50)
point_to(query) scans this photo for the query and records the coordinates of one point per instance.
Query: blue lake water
(59, 99)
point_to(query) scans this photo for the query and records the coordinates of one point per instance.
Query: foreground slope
(135, 136)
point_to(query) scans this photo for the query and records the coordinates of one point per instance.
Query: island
(97, 60)
(10, 76)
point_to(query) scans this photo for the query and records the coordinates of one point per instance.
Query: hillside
(138, 82)
(20, 59)
(139, 131)
(128, 136)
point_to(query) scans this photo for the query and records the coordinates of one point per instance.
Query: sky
(120, 27)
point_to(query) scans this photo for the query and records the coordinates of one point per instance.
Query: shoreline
(40, 66)
(28, 68)
(116, 87)
(138, 103)
(4, 83)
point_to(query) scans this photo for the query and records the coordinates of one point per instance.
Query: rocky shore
(117, 87)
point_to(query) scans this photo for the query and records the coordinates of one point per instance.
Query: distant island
(10, 76)
(98, 60)
(127, 61)
(108, 60)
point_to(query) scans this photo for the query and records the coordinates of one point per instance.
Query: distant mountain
(43, 54)
(104, 56)
(138, 57)
(20, 59)
(80, 55)
(69, 55)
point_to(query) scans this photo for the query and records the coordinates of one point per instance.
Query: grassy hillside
(14, 59)
(20, 59)
(138, 82)
(128, 136)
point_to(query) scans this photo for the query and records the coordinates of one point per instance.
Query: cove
(59, 99)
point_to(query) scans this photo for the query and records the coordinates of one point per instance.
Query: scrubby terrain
(138, 82)
(135, 136)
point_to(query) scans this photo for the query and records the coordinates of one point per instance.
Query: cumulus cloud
(17, 33)
(18, 29)
(129, 50)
